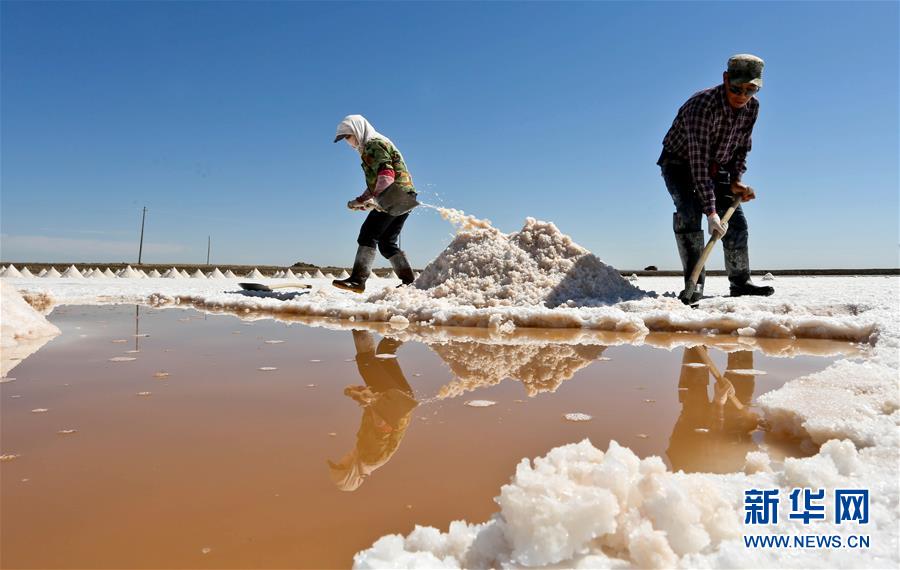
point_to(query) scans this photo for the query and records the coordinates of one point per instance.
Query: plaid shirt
(709, 134)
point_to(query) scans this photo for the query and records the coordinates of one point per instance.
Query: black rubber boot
(690, 247)
(402, 268)
(362, 267)
(737, 263)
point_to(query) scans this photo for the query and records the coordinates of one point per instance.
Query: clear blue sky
(219, 118)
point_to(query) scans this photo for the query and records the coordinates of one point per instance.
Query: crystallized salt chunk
(746, 371)
(67, 431)
(267, 368)
(39, 410)
(144, 393)
(386, 356)
(161, 374)
(694, 365)
(274, 341)
(122, 359)
(577, 417)
(9, 456)
(480, 403)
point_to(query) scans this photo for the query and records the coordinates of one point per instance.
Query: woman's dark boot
(402, 268)
(362, 267)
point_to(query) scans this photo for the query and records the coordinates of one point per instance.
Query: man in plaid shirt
(704, 157)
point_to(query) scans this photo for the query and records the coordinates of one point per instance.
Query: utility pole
(208, 245)
(141, 246)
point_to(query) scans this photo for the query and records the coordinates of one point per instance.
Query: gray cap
(745, 68)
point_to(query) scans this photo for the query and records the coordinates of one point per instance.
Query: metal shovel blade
(261, 287)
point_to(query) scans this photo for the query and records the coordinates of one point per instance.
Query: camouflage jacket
(378, 155)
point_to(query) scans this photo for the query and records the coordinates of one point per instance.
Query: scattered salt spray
(539, 265)
(318, 274)
(255, 274)
(197, 274)
(52, 273)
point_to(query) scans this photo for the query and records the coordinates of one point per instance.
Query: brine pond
(171, 438)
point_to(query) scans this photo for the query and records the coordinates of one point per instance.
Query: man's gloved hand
(715, 225)
(745, 192)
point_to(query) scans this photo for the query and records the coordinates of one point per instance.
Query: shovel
(695, 274)
(261, 287)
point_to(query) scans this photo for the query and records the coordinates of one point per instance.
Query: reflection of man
(713, 435)
(387, 402)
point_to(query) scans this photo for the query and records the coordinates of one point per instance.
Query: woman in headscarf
(389, 196)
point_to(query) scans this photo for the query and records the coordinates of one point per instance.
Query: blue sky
(219, 118)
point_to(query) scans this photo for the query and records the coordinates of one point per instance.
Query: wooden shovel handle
(695, 275)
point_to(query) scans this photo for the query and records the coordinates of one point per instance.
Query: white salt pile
(289, 275)
(329, 276)
(305, 275)
(278, 274)
(72, 272)
(184, 274)
(197, 274)
(22, 329)
(391, 275)
(318, 274)
(108, 272)
(26, 273)
(127, 273)
(539, 265)
(52, 273)
(229, 274)
(41, 274)
(216, 274)
(255, 274)
(768, 277)
(154, 274)
(344, 275)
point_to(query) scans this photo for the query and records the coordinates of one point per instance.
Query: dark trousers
(382, 230)
(688, 216)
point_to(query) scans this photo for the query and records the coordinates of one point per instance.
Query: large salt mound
(538, 265)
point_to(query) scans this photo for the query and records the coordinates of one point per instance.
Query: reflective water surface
(268, 444)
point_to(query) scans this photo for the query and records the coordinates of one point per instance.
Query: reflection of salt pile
(540, 368)
(22, 330)
(537, 265)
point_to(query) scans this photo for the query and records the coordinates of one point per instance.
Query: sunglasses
(748, 91)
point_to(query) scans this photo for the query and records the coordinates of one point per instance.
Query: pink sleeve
(385, 179)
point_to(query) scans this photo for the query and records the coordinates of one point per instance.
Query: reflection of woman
(387, 402)
(712, 435)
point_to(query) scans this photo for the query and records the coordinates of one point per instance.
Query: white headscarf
(358, 126)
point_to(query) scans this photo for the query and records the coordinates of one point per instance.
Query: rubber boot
(690, 247)
(362, 267)
(737, 263)
(402, 268)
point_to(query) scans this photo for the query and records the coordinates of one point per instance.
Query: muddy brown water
(220, 447)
